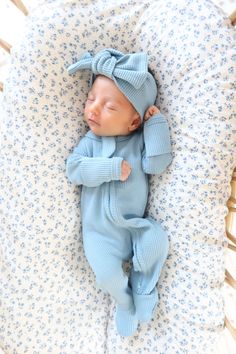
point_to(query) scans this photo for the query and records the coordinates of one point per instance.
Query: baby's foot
(126, 321)
(145, 305)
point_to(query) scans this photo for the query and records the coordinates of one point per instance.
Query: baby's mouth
(91, 120)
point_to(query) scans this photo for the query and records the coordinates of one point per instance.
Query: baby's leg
(106, 255)
(150, 248)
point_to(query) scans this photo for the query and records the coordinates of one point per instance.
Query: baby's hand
(150, 112)
(125, 171)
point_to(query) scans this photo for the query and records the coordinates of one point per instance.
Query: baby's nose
(91, 115)
(94, 108)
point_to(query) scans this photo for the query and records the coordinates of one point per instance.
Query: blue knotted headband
(128, 71)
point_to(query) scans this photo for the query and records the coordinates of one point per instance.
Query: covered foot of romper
(126, 321)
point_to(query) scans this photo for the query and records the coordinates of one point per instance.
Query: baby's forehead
(101, 80)
(106, 87)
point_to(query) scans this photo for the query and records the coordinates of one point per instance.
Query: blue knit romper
(113, 224)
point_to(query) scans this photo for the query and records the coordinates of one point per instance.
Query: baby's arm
(83, 169)
(157, 151)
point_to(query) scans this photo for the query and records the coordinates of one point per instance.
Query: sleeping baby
(128, 140)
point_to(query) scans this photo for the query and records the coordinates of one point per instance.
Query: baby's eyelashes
(104, 103)
(111, 108)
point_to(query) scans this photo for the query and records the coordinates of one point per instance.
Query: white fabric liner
(50, 302)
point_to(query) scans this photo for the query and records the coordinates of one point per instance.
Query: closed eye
(111, 108)
(88, 101)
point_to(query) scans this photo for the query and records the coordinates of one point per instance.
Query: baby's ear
(136, 122)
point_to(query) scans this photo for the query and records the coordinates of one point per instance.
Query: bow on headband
(132, 68)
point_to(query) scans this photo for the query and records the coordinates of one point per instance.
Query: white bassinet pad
(50, 303)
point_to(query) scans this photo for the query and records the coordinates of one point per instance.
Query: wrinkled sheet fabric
(50, 303)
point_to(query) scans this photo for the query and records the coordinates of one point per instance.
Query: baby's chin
(102, 133)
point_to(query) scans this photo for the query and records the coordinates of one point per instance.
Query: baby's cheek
(85, 111)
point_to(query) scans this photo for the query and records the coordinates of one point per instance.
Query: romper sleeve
(157, 147)
(84, 169)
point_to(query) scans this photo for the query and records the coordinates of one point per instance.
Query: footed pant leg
(150, 249)
(106, 254)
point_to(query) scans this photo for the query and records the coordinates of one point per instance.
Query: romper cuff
(116, 168)
(157, 136)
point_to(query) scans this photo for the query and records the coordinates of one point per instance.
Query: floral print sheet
(50, 303)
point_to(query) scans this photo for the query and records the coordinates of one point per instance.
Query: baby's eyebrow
(113, 100)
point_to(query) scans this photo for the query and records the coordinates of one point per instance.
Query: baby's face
(107, 111)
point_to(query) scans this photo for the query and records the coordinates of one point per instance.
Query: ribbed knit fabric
(145, 305)
(113, 225)
(150, 257)
(160, 136)
(126, 321)
(128, 71)
(151, 249)
(84, 169)
(102, 169)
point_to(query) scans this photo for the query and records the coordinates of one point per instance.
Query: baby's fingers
(151, 111)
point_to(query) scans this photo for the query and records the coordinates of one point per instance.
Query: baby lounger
(50, 303)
